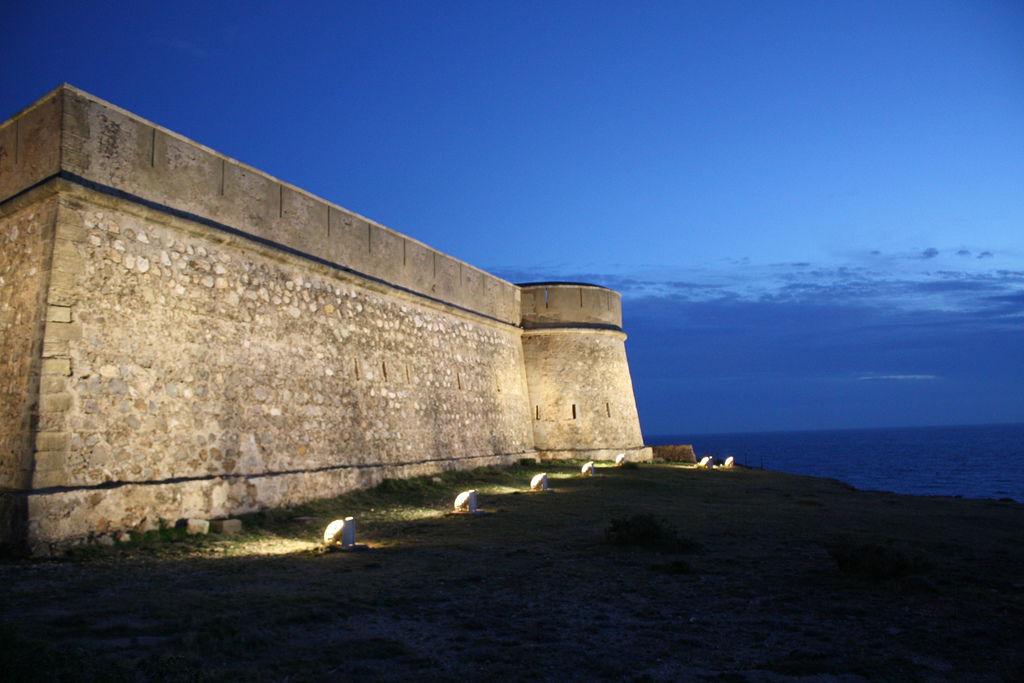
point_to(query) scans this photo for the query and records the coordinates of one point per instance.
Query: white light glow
(341, 532)
(466, 501)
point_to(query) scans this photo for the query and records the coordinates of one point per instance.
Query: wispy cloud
(884, 338)
(901, 378)
(870, 339)
(895, 283)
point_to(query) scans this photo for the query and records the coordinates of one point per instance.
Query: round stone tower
(581, 394)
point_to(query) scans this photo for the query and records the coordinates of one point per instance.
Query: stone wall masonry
(195, 356)
(186, 336)
(547, 304)
(25, 255)
(581, 394)
(30, 145)
(71, 132)
(109, 146)
(70, 516)
(674, 453)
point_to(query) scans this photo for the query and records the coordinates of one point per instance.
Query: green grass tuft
(647, 531)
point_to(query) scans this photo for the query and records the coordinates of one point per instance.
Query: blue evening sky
(814, 210)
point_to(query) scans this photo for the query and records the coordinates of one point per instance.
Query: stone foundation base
(63, 518)
(638, 454)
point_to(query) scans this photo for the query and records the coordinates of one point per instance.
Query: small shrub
(629, 465)
(874, 560)
(646, 530)
(527, 462)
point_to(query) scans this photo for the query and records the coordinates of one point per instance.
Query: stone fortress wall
(569, 331)
(185, 336)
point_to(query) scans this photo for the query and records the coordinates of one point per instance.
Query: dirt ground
(767, 577)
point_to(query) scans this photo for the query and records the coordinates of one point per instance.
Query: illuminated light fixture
(539, 482)
(466, 502)
(342, 533)
(620, 459)
(705, 462)
(339, 531)
(728, 462)
(588, 469)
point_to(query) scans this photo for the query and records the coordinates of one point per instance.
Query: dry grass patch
(442, 597)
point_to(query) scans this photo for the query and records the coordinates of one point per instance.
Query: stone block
(67, 265)
(52, 384)
(58, 314)
(54, 402)
(43, 479)
(63, 288)
(226, 526)
(52, 422)
(51, 441)
(194, 527)
(56, 366)
(49, 460)
(63, 331)
(70, 226)
(674, 453)
(62, 294)
(55, 348)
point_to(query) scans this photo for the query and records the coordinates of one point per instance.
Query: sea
(978, 461)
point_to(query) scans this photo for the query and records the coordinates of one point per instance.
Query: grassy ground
(725, 575)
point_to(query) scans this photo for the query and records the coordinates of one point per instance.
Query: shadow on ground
(773, 576)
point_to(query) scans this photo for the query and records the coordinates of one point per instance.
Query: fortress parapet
(72, 135)
(581, 393)
(570, 304)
